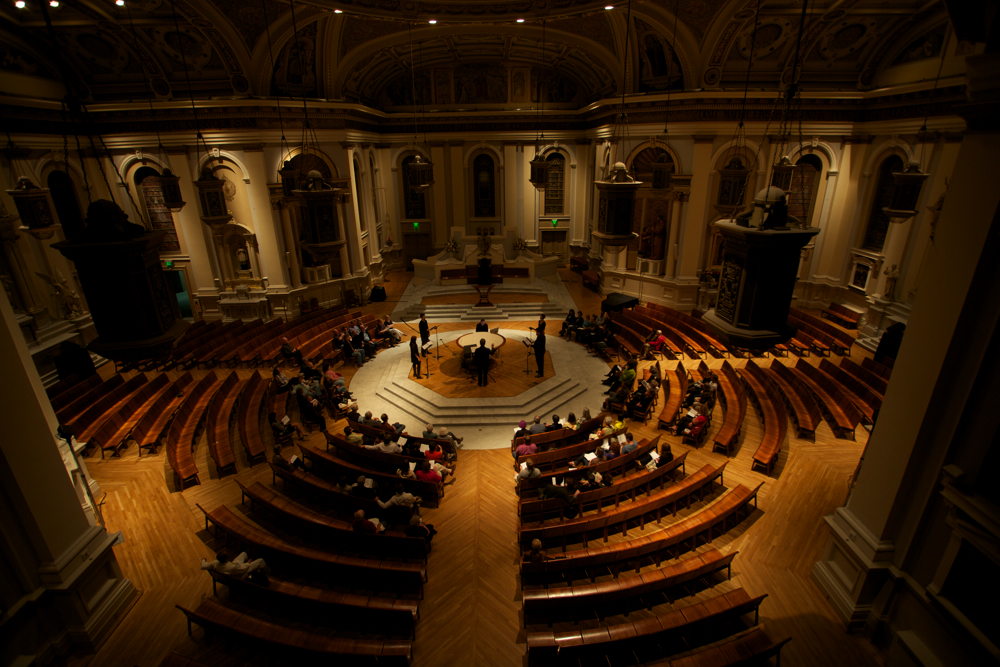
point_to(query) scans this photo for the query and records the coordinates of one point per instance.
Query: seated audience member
(352, 437)
(568, 324)
(612, 374)
(536, 426)
(685, 422)
(353, 415)
(358, 354)
(396, 334)
(281, 381)
(425, 473)
(529, 471)
(451, 441)
(399, 497)
(556, 424)
(585, 416)
(599, 457)
(290, 353)
(693, 393)
(363, 525)
(567, 494)
(281, 430)
(657, 341)
(630, 444)
(482, 327)
(309, 410)
(594, 480)
(571, 422)
(537, 553)
(625, 379)
(521, 430)
(606, 429)
(362, 491)
(397, 428)
(385, 446)
(641, 401)
(294, 463)
(418, 528)
(342, 485)
(526, 448)
(309, 371)
(340, 397)
(237, 566)
(331, 377)
(651, 463)
(429, 432)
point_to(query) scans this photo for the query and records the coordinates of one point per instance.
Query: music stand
(425, 348)
(530, 345)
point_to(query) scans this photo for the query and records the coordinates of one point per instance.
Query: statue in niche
(243, 259)
(646, 242)
(68, 299)
(659, 239)
(892, 275)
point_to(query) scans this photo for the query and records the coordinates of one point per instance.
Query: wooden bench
(231, 354)
(805, 409)
(592, 278)
(78, 405)
(184, 427)
(849, 318)
(533, 509)
(625, 593)
(751, 647)
(430, 492)
(339, 535)
(112, 436)
(560, 456)
(665, 499)
(734, 401)
(772, 413)
(881, 370)
(618, 466)
(220, 414)
(321, 490)
(151, 428)
(579, 264)
(825, 336)
(285, 641)
(843, 416)
(349, 571)
(63, 393)
(865, 400)
(359, 613)
(370, 458)
(677, 382)
(655, 547)
(248, 417)
(88, 423)
(669, 632)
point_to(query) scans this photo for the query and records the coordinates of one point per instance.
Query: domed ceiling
(387, 55)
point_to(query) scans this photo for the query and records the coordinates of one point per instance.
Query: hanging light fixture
(32, 204)
(170, 185)
(420, 171)
(662, 172)
(212, 197)
(781, 175)
(539, 165)
(286, 172)
(616, 193)
(318, 201)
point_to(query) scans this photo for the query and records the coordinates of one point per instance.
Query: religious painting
(552, 87)
(926, 46)
(860, 278)
(295, 68)
(519, 84)
(480, 84)
(659, 68)
(442, 86)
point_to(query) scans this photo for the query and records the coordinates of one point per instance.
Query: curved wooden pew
(318, 489)
(666, 543)
(333, 531)
(842, 414)
(625, 593)
(112, 436)
(364, 573)
(248, 417)
(560, 457)
(864, 399)
(219, 416)
(181, 435)
(153, 425)
(747, 648)
(215, 616)
(394, 616)
(370, 458)
(430, 493)
(873, 382)
(772, 412)
(734, 401)
(618, 466)
(72, 410)
(881, 370)
(805, 409)
(669, 632)
(666, 499)
(88, 423)
(532, 509)
(677, 381)
(66, 391)
(566, 437)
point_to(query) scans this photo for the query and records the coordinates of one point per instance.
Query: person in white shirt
(237, 566)
(387, 447)
(401, 498)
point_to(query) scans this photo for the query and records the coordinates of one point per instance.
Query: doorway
(176, 280)
(416, 246)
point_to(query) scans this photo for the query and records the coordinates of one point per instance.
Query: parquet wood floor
(507, 377)
(471, 611)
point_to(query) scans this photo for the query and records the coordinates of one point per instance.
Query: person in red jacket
(426, 474)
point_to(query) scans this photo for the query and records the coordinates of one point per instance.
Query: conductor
(481, 358)
(425, 332)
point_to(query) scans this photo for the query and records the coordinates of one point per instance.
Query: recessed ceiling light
(19, 4)
(432, 21)
(609, 6)
(120, 3)
(338, 11)
(520, 20)
(53, 3)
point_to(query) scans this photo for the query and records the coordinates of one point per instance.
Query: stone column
(265, 227)
(60, 571)
(291, 242)
(910, 444)
(822, 221)
(675, 228)
(692, 230)
(835, 240)
(200, 246)
(439, 194)
(25, 286)
(581, 184)
(511, 208)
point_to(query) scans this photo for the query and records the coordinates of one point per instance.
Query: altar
(458, 263)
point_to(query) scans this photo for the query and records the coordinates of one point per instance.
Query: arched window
(67, 207)
(484, 200)
(357, 193)
(800, 186)
(731, 183)
(555, 191)
(414, 202)
(878, 221)
(642, 165)
(147, 181)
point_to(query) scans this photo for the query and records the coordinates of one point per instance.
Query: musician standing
(425, 332)
(481, 359)
(540, 346)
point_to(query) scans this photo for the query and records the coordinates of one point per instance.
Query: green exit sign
(555, 223)
(169, 264)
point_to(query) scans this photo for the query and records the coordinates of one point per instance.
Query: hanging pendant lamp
(32, 204)
(214, 212)
(615, 209)
(170, 185)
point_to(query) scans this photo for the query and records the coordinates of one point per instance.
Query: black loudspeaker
(485, 272)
